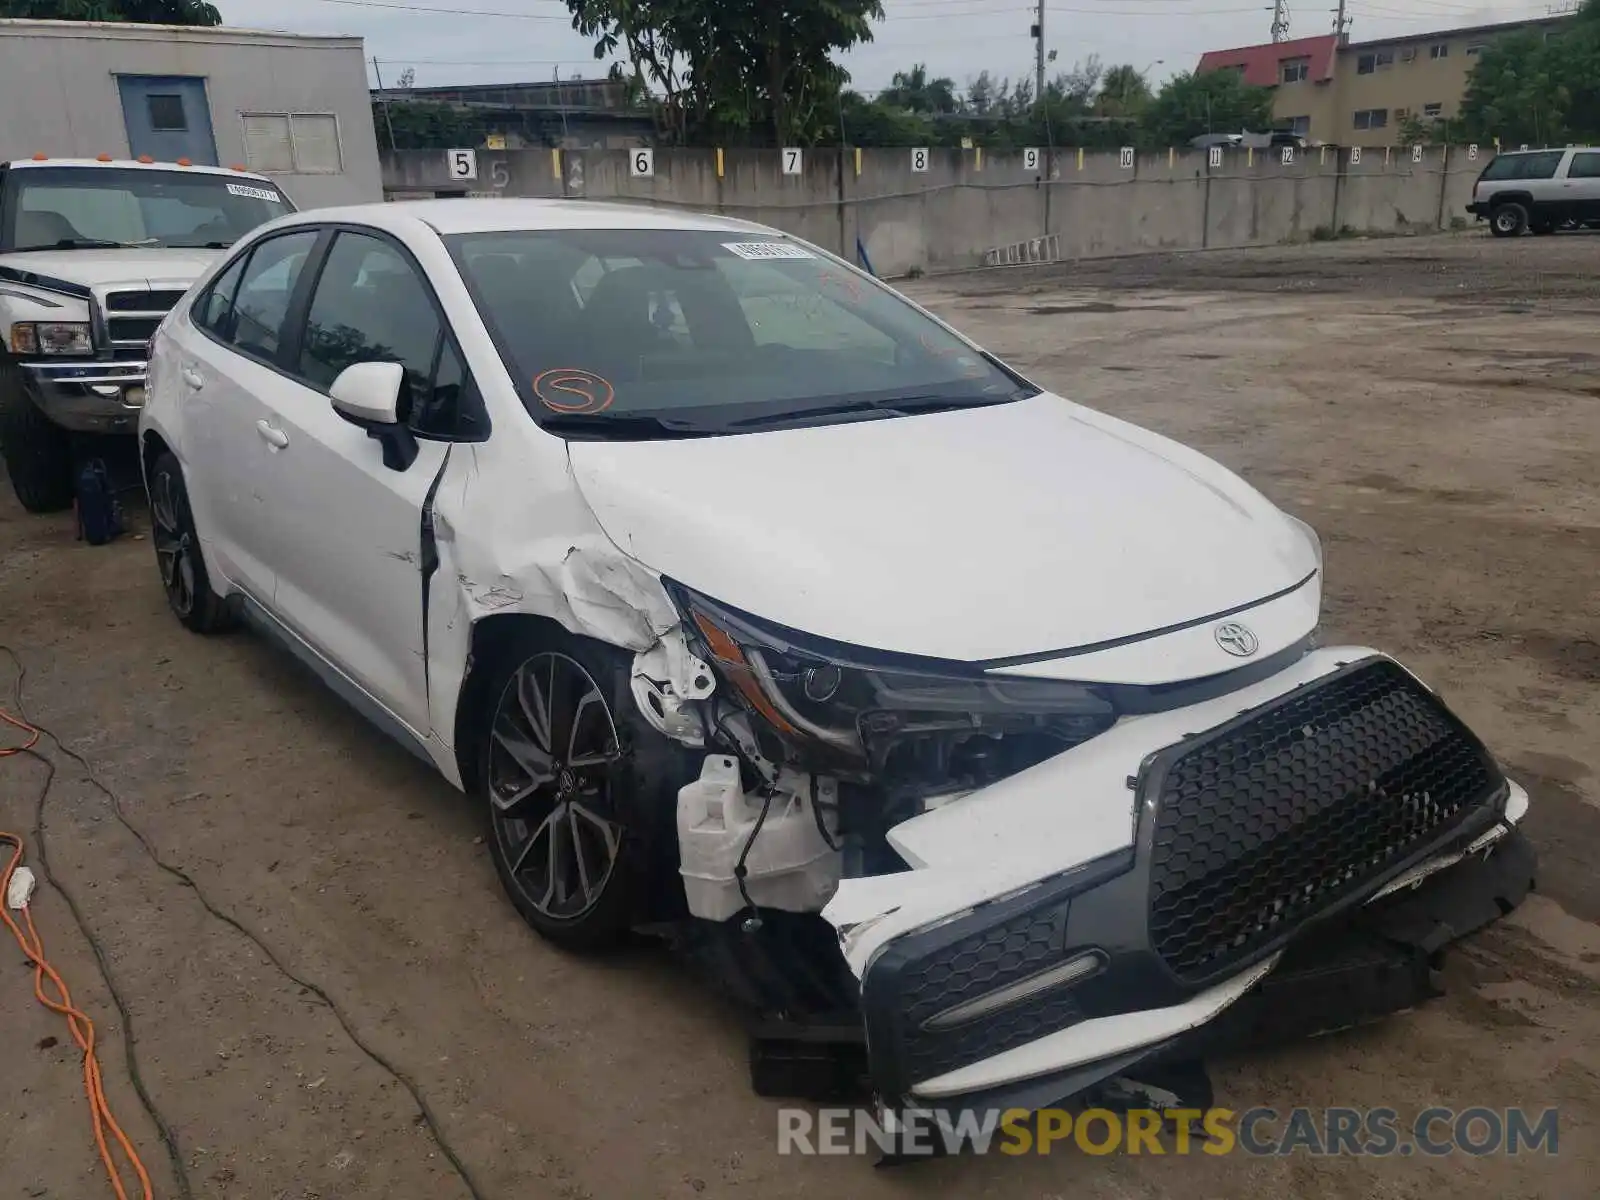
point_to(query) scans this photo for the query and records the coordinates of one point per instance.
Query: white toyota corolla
(759, 606)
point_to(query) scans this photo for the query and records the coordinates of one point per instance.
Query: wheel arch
(491, 636)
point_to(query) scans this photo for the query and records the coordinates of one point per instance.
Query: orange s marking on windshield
(573, 390)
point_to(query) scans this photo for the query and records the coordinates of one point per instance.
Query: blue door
(168, 118)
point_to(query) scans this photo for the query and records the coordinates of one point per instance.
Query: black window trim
(245, 255)
(291, 336)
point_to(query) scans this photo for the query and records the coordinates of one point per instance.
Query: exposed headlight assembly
(64, 338)
(834, 709)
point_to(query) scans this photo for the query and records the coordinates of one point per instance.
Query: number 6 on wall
(642, 163)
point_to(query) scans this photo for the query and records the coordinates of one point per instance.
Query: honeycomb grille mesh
(1010, 952)
(1272, 821)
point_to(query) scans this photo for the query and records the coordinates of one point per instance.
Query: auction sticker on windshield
(759, 250)
(255, 193)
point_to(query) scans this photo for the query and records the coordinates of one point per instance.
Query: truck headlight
(830, 705)
(65, 338)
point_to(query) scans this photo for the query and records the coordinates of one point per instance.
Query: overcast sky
(957, 38)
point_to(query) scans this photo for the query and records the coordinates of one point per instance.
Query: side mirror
(367, 394)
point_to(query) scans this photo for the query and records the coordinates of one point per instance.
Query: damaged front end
(1031, 888)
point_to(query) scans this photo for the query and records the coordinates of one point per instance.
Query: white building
(288, 105)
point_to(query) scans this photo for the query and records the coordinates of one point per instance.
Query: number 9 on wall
(642, 163)
(462, 164)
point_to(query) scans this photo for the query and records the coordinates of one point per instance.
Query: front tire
(1508, 220)
(178, 557)
(38, 453)
(581, 793)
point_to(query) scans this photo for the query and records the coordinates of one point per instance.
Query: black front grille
(1004, 954)
(1299, 805)
(132, 329)
(142, 302)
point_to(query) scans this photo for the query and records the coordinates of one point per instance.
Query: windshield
(64, 208)
(657, 333)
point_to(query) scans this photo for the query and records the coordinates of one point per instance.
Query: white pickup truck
(93, 252)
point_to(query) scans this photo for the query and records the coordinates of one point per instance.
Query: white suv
(751, 601)
(1541, 190)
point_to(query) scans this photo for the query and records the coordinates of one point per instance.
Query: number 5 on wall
(462, 164)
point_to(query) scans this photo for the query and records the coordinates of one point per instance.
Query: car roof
(128, 164)
(505, 215)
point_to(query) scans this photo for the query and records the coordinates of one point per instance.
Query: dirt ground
(1432, 406)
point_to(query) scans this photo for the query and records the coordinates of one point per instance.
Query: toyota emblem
(1237, 639)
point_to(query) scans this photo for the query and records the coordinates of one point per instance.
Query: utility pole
(1280, 20)
(1341, 24)
(387, 119)
(1038, 56)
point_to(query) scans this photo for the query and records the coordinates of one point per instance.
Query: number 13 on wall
(642, 163)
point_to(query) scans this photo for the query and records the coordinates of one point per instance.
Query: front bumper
(1478, 210)
(1285, 828)
(86, 396)
(1381, 960)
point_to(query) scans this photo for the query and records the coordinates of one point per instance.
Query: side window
(371, 305)
(1541, 166)
(265, 290)
(213, 311)
(1585, 166)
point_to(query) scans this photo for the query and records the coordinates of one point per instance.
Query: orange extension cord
(82, 1028)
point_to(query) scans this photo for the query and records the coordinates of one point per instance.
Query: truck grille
(132, 317)
(1298, 805)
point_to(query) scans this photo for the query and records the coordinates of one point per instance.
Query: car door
(346, 530)
(1583, 185)
(227, 368)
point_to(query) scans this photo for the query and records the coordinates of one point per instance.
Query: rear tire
(38, 453)
(178, 557)
(580, 791)
(1508, 220)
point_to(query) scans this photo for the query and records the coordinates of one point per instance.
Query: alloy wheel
(174, 546)
(553, 746)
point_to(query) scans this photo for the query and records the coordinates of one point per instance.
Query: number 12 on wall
(642, 163)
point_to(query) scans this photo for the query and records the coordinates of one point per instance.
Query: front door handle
(193, 378)
(274, 437)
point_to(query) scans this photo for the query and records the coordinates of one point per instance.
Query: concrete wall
(962, 204)
(59, 92)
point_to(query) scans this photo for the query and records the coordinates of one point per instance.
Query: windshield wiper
(899, 406)
(623, 427)
(198, 245)
(93, 244)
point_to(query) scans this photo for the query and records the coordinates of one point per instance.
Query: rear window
(1542, 165)
(707, 328)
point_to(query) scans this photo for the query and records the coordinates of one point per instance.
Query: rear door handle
(193, 378)
(274, 437)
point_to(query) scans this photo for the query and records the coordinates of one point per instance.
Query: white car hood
(977, 534)
(155, 267)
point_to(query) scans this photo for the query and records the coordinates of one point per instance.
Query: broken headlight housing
(920, 726)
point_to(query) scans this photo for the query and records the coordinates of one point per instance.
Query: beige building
(1362, 93)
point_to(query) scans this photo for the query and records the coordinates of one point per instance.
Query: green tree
(144, 12)
(424, 125)
(1215, 102)
(914, 92)
(1539, 89)
(722, 67)
(1124, 92)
